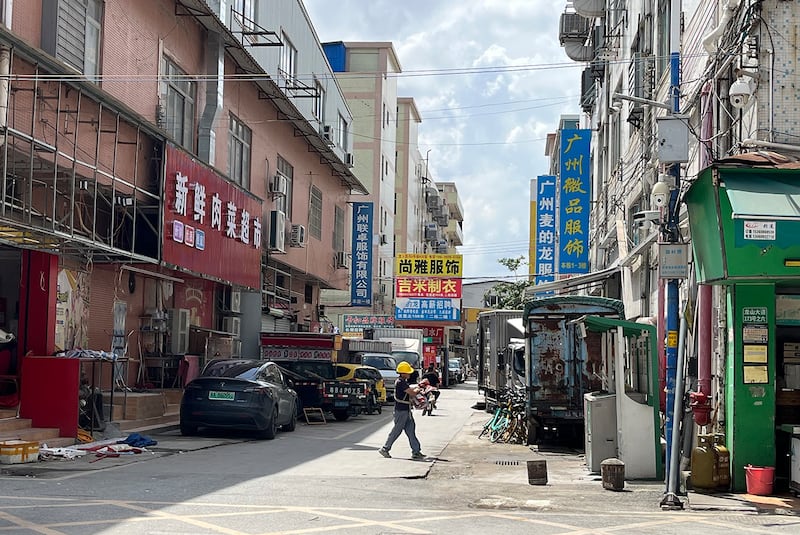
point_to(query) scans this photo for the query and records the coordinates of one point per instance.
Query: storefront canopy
(744, 224)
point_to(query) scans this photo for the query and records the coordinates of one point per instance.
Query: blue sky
(490, 80)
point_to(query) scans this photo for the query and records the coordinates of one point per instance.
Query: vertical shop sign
(361, 273)
(575, 194)
(545, 229)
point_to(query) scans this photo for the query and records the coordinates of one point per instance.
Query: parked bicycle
(509, 423)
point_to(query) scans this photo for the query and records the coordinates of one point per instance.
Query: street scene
(330, 479)
(304, 266)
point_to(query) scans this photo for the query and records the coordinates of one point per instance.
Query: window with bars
(284, 204)
(342, 132)
(318, 103)
(178, 98)
(239, 136)
(315, 213)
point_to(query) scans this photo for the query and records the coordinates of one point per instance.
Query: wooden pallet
(314, 416)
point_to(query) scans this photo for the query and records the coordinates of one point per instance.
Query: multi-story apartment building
(677, 102)
(167, 164)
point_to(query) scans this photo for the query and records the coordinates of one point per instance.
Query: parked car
(386, 365)
(455, 371)
(239, 394)
(369, 375)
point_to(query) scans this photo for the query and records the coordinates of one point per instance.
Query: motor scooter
(430, 393)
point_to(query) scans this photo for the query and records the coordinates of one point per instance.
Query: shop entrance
(10, 268)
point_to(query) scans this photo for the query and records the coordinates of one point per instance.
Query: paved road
(330, 479)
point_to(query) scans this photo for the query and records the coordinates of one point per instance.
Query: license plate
(340, 404)
(222, 396)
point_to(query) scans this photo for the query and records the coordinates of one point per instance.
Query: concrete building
(678, 102)
(176, 178)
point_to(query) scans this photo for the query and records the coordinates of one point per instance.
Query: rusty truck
(563, 362)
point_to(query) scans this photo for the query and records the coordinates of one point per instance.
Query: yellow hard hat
(404, 367)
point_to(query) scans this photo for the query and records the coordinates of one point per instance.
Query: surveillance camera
(740, 92)
(660, 194)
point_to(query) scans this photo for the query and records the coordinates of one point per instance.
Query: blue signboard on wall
(416, 308)
(574, 206)
(545, 229)
(361, 272)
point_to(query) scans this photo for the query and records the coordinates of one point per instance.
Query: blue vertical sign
(575, 194)
(361, 273)
(545, 228)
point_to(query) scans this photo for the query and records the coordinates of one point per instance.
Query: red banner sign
(427, 287)
(211, 226)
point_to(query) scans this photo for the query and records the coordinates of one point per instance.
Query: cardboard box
(18, 451)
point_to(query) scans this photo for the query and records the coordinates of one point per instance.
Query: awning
(767, 198)
(629, 328)
(572, 282)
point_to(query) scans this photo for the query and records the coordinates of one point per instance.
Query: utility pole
(670, 500)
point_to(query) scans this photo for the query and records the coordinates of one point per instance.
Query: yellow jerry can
(704, 473)
(723, 461)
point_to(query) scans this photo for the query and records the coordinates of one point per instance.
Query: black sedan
(239, 394)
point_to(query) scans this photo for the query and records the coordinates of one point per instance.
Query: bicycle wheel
(499, 427)
(487, 427)
(511, 429)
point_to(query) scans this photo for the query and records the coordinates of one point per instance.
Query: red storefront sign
(427, 287)
(211, 226)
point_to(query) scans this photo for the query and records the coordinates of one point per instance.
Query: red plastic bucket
(759, 479)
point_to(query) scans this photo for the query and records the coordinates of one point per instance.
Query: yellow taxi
(358, 372)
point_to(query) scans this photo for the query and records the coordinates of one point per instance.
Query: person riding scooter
(432, 376)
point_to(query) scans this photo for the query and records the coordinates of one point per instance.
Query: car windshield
(238, 369)
(454, 364)
(382, 363)
(408, 356)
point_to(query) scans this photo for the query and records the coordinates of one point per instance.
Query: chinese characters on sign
(428, 265)
(356, 323)
(361, 273)
(543, 216)
(575, 192)
(211, 226)
(430, 287)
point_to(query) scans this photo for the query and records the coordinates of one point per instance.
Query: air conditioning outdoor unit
(232, 324)
(178, 330)
(431, 232)
(348, 159)
(342, 260)
(279, 185)
(232, 301)
(277, 231)
(298, 236)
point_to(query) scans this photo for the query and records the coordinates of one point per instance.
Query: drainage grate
(507, 463)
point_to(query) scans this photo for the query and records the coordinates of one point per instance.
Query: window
(72, 32)
(338, 228)
(243, 12)
(178, 94)
(318, 105)
(239, 152)
(315, 213)
(342, 132)
(288, 65)
(284, 204)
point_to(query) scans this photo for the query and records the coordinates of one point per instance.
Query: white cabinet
(600, 417)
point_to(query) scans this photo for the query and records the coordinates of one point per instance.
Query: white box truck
(406, 343)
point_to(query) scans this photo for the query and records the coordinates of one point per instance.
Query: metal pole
(673, 476)
(673, 230)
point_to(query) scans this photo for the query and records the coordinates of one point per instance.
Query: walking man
(403, 418)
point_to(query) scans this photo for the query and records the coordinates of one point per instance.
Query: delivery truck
(501, 353)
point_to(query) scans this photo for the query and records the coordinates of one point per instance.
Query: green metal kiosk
(745, 228)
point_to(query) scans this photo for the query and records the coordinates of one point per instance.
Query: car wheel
(188, 430)
(272, 426)
(292, 425)
(341, 415)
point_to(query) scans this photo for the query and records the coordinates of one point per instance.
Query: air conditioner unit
(277, 231)
(232, 324)
(279, 185)
(431, 232)
(298, 236)
(342, 260)
(178, 330)
(348, 159)
(232, 300)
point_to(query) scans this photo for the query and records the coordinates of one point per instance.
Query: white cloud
(501, 81)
